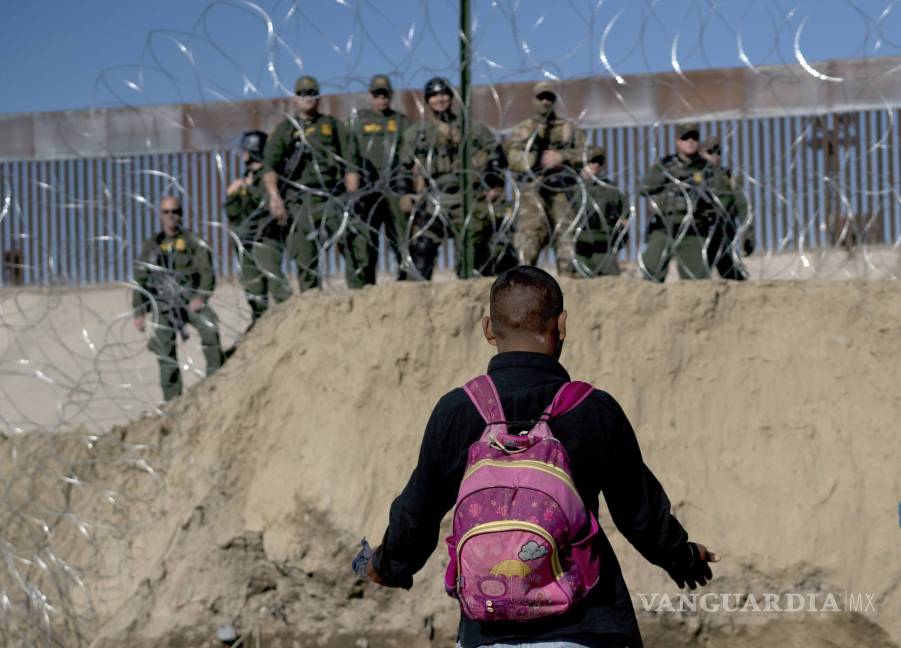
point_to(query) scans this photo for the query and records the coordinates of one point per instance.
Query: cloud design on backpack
(532, 551)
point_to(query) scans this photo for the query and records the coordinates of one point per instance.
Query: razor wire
(822, 189)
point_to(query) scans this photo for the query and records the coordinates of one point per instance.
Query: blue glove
(361, 560)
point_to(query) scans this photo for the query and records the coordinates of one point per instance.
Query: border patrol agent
(174, 277)
(432, 154)
(603, 227)
(546, 151)
(307, 154)
(262, 239)
(375, 140)
(677, 189)
(730, 216)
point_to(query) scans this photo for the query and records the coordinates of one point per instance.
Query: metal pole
(465, 250)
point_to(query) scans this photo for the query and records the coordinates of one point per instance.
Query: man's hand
(277, 208)
(374, 575)
(551, 159)
(196, 305)
(690, 565)
(139, 322)
(495, 192)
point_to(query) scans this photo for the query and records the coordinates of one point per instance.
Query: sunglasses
(307, 93)
(690, 136)
(550, 96)
(380, 93)
(172, 211)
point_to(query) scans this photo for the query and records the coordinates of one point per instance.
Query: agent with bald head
(174, 281)
(527, 324)
(545, 152)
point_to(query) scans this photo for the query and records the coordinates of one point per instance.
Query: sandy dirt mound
(768, 410)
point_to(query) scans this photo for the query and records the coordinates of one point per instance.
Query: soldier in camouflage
(679, 224)
(602, 218)
(261, 238)
(731, 229)
(174, 277)
(306, 167)
(545, 152)
(375, 140)
(432, 155)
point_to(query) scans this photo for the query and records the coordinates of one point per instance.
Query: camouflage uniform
(728, 210)
(678, 188)
(318, 144)
(602, 223)
(546, 213)
(262, 245)
(375, 140)
(432, 149)
(171, 271)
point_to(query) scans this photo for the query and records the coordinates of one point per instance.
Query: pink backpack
(522, 542)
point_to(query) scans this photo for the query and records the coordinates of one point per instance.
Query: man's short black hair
(524, 299)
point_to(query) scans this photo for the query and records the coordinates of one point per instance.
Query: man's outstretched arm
(641, 510)
(416, 514)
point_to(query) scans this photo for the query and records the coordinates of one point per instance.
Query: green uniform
(431, 149)
(728, 210)
(375, 141)
(680, 221)
(170, 272)
(262, 245)
(546, 213)
(602, 228)
(310, 156)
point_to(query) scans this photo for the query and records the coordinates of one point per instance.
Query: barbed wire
(822, 191)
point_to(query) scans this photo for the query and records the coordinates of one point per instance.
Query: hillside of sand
(768, 410)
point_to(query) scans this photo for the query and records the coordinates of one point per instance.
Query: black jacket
(604, 457)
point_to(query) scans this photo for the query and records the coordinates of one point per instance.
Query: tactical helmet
(254, 142)
(437, 85)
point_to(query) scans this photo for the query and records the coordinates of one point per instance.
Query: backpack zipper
(504, 525)
(533, 464)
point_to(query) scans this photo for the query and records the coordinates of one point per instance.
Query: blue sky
(67, 55)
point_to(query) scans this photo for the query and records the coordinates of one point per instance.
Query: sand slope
(769, 411)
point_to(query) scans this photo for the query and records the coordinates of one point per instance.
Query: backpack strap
(568, 397)
(484, 396)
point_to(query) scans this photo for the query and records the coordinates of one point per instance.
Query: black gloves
(688, 566)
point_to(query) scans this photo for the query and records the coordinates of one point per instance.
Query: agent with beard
(527, 324)
(545, 151)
